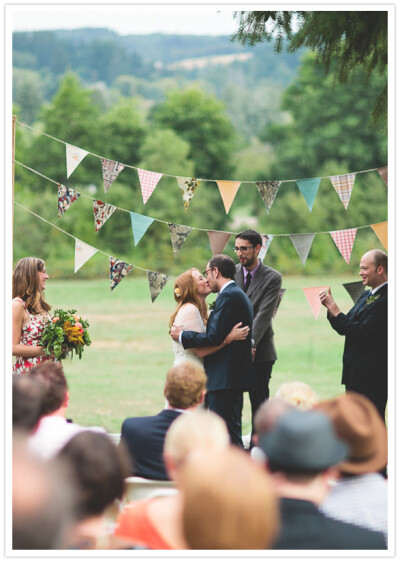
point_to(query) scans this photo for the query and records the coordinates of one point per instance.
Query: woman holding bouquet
(30, 313)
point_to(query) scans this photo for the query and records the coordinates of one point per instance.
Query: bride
(190, 292)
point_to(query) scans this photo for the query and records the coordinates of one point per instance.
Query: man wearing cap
(302, 454)
(360, 496)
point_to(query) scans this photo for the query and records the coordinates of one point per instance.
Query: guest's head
(297, 393)
(27, 395)
(185, 385)
(374, 268)
(229, 502)
(191, 287)
(248, 244)
(268, 414)
(28, 283)
(50, 376)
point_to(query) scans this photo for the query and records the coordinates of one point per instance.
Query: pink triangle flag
(111, 171)
(218, 240)
(312, 295)
(344, 240)
(228, 190)
(102, 212)
(74, 156)
(148, 182)
(343, 186)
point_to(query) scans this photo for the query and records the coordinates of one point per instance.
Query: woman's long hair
(25, 284)
(185, 290)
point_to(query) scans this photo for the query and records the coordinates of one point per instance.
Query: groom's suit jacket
(231, 366)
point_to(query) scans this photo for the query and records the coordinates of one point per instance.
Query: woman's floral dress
(31, 335)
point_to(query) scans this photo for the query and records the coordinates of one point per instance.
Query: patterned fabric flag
(218, 240)
(102, 212)
(309, 189)
(157, 282)
(118, 270)
(228, 190)
(83, 253)
(268, 191)
(74, 156)
(266, 242)
(381, 230)
(302, 243)
(343, 186)
(188, 187)
(140, 223)
(178, 233)
(66, 196)
(111, 171)
(312, 295)
(383, 172)
(355, 288)
(148, 182)
(344, 240)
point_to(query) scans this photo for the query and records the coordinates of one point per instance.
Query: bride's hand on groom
(237, 333)
(175, 332)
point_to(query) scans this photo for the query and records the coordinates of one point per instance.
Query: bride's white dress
(188, 318)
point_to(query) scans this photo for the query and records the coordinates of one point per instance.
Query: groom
(229, 370)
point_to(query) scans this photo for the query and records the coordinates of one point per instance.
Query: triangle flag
(383, 172)
(266, 242)
(111, 171)
(118, 270)
(268, 191)
(188, 187)
(74, 156)
(355, 289)
(66, 196)
(302, 243)
(178, 233)
(140, 223)
(381, 230)
(148, 182)
(343, 186)
(228, 190)
(344, 240)
(102, 212)
(312, 295)
(218, 240)
(157, 282)
(83, 253)
(309, 189)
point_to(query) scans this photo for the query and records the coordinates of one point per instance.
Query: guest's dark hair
(51, 376)
(27, 395)
(251, 235)
(225, 265)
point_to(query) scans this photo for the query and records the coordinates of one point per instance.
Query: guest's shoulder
(267, 270)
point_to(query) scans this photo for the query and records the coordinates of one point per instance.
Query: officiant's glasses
(242, 248)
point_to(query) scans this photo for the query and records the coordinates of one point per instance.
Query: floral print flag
(111, 171)
(268, 191)
(66, 196)
(157, 282)
(178, 233)
(118, 270)
(102, 212)
(188, 187)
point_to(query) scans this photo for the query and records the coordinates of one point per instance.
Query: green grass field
(122, 373)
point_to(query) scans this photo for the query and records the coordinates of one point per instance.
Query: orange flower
(73, 334)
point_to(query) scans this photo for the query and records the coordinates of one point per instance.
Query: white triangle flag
(74, 156)
(83, 253)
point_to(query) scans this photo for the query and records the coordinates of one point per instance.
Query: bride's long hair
(25, 284)
(185, 290)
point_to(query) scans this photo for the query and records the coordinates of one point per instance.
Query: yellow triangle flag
(228, 190)
(381, 230)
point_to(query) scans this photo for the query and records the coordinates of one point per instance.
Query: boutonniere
(211, 305)
(371, 299)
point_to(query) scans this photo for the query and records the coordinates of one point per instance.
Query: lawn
(122, 373)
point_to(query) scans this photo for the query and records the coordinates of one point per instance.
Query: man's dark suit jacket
(144, 437)
(304, 527)
(231, 366)
(365, 357)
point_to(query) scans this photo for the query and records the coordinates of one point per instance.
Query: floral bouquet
(65, 333)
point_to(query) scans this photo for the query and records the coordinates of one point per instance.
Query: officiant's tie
(248, 281)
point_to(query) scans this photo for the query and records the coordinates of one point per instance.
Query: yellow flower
(73, 333)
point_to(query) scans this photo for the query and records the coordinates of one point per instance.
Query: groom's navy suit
(229, 370)
(365, 357)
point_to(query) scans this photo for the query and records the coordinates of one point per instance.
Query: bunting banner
(157, 282)
(102, 212)
(312, 295)
(266, 242)
(83, 253)
(343, 186)
(355, 289)
(118, 270)
(383, 172)
(381, 230)
(111, 170)
(188, 187)
(302, 244)
(309, 189)
(228, 190)
(178, 234)
(218, 240)
(66, 196)
(74, 156)
(148, 182)
(268, 191)
(344, 240)
(140, 223)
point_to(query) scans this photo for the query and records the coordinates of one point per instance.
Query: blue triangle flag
(140, 223)
(309, 189)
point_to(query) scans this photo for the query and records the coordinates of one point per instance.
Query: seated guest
(53, 430)
(297, 393)
(156, 521)
(303, 453)
(26, 403)
(144, 436)
(228, 502)
(360, 496)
